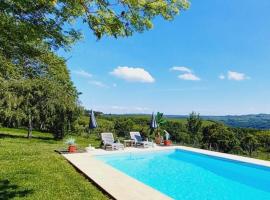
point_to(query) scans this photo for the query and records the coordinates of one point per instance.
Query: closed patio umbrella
(92, 122)
(153, 123)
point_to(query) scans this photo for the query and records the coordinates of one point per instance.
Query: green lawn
(30, 169)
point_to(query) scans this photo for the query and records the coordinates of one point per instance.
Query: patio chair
(108, 141)
(136, 136)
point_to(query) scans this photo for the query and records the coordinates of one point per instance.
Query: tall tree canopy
(194, 126)
(25, 23)
(45, 99)
(35, 86)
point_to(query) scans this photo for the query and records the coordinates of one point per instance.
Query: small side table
(129, 143)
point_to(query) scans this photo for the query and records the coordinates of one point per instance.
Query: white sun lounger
(108, 141)
(136, 136)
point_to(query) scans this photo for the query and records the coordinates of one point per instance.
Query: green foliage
(44, 99)
(35, 87)
(178, 131)
(123, 127)
(160, 119)
(213, 136)
(194, 123)
(70, 141)
(249, 143)
(263, 138)
(219, 138)
(25, 23)
(259, 121)
(194, 126)
(123, 18)
(81, 126)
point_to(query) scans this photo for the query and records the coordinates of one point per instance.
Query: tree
(47, 100)
(249, 143)
(160, 121)
(123, 126)
(263, 138)
(113, 18)
(219, 137)
(194, 126)
(31, 32)
(178, 131)
(27, 27)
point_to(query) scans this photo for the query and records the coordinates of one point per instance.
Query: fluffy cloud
(189, 77)
(181, 69)
(123, 109)
(222, 77)
(98, 84)
(187, 73)
(133, 74)
(236, 76)
(83, 73)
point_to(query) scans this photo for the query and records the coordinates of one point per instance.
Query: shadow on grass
(9, 191)
(6, 135)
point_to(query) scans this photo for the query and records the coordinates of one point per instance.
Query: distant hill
(257, 121)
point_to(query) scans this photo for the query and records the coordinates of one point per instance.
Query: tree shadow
(9, 191)
(5, 135)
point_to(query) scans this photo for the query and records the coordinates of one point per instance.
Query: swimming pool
(186, 175)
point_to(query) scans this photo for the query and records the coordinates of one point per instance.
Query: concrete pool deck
(121, 186)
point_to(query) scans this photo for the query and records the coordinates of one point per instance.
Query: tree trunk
(29, 135)
(42, 126)
(69, 126)
(250, 152)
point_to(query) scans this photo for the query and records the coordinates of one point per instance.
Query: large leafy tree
(220, 138)
(35, 84)
(249, 143)
(25, 23)
(264, 139)
(122, 127)
(45, 100)
(104, 17)
(194, 127)
(31, 28)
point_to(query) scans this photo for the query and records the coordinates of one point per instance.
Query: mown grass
(30, 169)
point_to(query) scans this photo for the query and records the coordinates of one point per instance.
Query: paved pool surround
(121, 186)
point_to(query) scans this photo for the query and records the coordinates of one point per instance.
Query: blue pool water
(185, 175)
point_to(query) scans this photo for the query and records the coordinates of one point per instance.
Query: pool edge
(116, 183)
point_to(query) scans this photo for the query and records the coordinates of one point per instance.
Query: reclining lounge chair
(136, 136)
(108, 141)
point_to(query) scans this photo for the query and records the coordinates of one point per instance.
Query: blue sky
(213, 59)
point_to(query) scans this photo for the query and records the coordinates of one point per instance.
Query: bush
(178, 131)
(123, 127)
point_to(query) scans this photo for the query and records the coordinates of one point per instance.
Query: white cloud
(133, 74)
(123, 109)
(189, 77)
(222, 77)
(236, 76)
(98, 84)
(181, 69)
(184, 89)
(187, 73)
(83, 73)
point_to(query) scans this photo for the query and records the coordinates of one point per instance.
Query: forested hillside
(259, 121)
